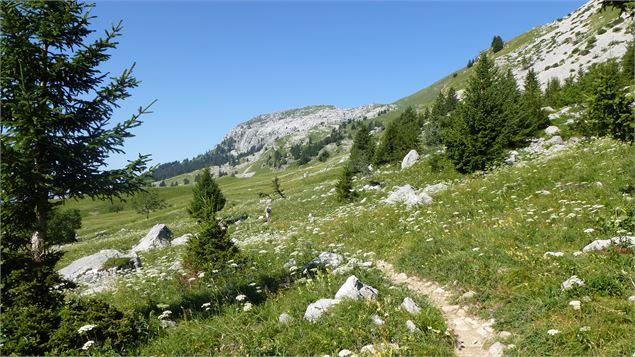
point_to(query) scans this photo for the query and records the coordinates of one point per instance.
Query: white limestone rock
(410, 306)
(356, 290)
(408, 196)
(571, 283)
(410, 159)
(315, 310)
(89, 264)
(182, 239)
(159, 236)
(552, 130)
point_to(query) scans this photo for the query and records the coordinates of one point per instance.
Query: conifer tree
(476, 136)
(497, 44)
(363, 150)
(400, 137)
(344, 187)
(276, 187)
(207, 198)
(55, 138)
(529, 117)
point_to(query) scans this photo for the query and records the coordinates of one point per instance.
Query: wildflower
(207, 304)
(247, 306)
(585, 328)
(85, 328)
(88, 344)
(191, 279)
(553, 332)
(201, 274)
(165, 314)
(241, 297)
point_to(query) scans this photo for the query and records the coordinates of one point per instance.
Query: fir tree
(609, 108)
(628, 64)
(476, 136)
(211, 248)
(55, 138)
(497, 44)
(530, 117)
(344, 187)
(363, 150)
(553, 93)
(400, 137)
(207, 198)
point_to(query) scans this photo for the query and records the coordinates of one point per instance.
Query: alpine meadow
(490, 213)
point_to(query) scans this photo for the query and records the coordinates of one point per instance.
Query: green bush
(210, 249)
(401, 136)
(119, 263)
(344, 187)
(114, 331)
(323, 156)
(62, 226)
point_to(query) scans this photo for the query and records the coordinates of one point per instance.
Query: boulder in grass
(409, 305)
(552, 130)
(408, 196)
(410, 159)
(89, 264)
(324, 260)
(159, 236)
(356, 290)
(315, 310)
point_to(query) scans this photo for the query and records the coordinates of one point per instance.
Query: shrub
(210, 249)
(62, 226)
(207, 198)
(115, 207)
(119, 263)
(323, 156)
(400, 137)
(344, 187)
(497, 44)
(148, 201)
(114, 331)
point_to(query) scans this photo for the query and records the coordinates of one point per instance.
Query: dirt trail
(472, 332)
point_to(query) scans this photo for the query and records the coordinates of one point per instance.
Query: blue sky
(212, 65)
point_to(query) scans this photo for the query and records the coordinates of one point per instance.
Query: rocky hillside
(559, 49)
(295, 124)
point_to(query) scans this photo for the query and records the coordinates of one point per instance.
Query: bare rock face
(410, 159)
(356, 290)
(159, 236)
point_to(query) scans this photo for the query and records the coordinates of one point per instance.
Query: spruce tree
(363, 150)
(553, 93)
(476, 136)
(628, 64)
(55, 138)
(497, 44)
(609, 109)
(400, 137)
(530, 117)
(344, 187)
(207, 198)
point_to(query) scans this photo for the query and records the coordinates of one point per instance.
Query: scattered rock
(575, 304)
(505, 334)
(345, 353)
(284, 318)
(182, 239)
(600, 244)
(548, 109)
(407, 195)
(318, 308)
(411, 326)
(324, 260)
(631, 298)
(496, 350)
(468, 295)
(377, 320)
(553, 332)
(555, 140)
(159, 236)
(432, 189)
(410, 159)
(572, 282)
(356, 290)
(89, 264)
(552, 130)
(512, 157)
(409, 305)
(553, 254)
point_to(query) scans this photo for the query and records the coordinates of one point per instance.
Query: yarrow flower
(165, 314)
(241, 297)
(207, 304)
(88, 344)
(247, 306)
(85, 328)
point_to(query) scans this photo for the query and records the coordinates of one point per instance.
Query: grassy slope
(486, 234)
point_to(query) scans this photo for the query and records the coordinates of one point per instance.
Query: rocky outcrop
(408, 196)
(89, 265)
(356, 290)
(324, 260)
(158, 237)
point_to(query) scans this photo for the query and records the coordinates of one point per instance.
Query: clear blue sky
(212, 65)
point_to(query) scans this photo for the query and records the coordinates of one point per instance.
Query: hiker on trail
(268, 214)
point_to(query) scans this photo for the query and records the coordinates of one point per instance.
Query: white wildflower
(165, 314)
(241, 297)
(207, 304)
(247, 306)
(553, 332)
(85, 328)
(589, 230)
(88, 344)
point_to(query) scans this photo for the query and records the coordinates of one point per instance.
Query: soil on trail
(471, 332)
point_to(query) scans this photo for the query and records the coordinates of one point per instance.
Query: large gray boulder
(159, 236)
(408, 196)
(410, 159)
(600, 244)
(356, 290)
(315, 310)
(409, 305)
(181, 240)
(89, 264)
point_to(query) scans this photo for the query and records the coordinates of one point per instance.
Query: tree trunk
(39, 237)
